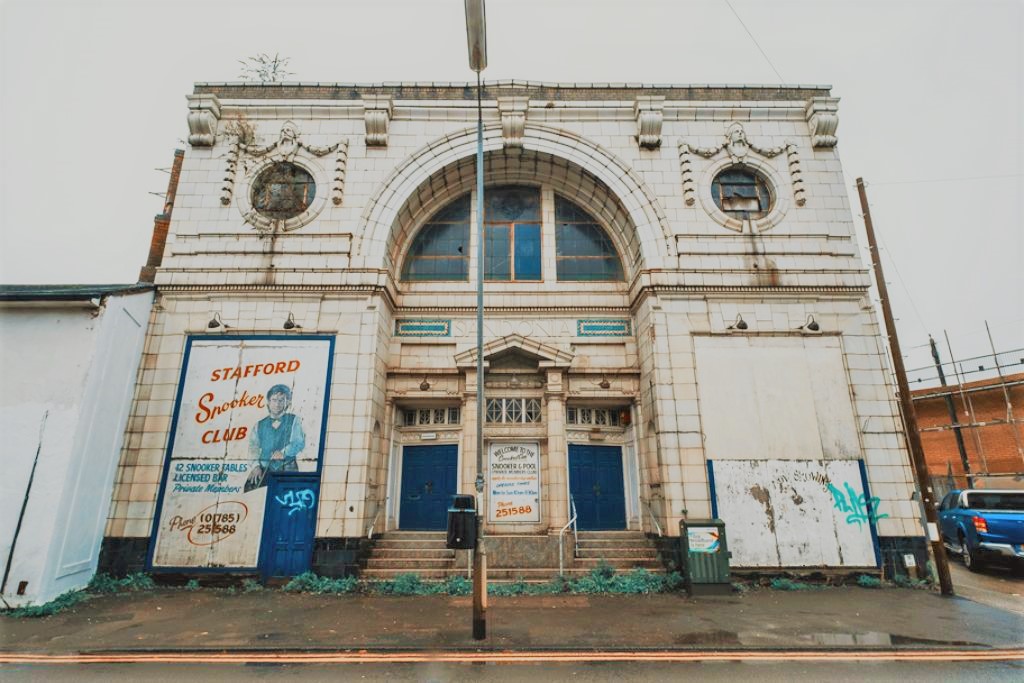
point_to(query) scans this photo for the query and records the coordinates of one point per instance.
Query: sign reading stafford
(513, 475)
(247, 407)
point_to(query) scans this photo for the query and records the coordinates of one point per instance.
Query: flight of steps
(424, 553)
(410, 552)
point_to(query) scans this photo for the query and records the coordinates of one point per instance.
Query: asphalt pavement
(209, 620)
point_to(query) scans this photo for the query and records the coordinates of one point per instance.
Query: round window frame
(264, 223)
(772, 180)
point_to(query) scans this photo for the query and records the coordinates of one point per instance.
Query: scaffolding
(994, 374)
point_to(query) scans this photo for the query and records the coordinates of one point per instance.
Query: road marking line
(512, 657)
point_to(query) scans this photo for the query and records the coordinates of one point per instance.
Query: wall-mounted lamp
(290, 323)
(604, 383)
(740, 323)
(424, 385)
(216, 322)
(810, 326)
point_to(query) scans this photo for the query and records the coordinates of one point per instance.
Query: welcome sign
(247, 408)
(513, 476)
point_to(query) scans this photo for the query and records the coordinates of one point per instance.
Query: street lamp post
(476, 35)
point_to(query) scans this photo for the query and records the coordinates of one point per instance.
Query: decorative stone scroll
(378, 112)
(513, 120)
(796, 174)
(228, 188)
(340, 165)
(823, 120)
(686, 169)
(650, 114)
(203, 115)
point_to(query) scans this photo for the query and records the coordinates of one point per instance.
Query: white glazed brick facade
(688, 274)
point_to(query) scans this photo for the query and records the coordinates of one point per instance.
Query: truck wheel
(970, 558)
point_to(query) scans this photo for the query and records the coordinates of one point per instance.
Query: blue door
(289, 525)
(429, 480)
(595, 482)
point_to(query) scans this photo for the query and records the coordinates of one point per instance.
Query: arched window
(513, 237)
(441, 248)
(582, 249)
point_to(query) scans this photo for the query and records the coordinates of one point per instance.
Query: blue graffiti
(297, 500)
(858, 508)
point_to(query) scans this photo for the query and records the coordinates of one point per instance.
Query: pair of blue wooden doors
(289, 524)
(596, 485)
(429, 480)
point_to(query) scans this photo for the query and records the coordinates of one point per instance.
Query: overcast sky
(92, 99)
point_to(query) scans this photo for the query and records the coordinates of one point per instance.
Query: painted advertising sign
(702, 539)
(247, 407)
(513, 475)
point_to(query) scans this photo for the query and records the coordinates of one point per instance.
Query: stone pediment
(545, 355)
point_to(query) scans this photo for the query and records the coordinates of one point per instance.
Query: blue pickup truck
(983, 526)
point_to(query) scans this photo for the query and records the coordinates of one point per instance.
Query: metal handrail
(561, 537)
(654, 520)
(369, 532)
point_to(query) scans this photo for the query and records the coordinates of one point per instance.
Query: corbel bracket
(650, 114)
(378, 112)
(203, 115)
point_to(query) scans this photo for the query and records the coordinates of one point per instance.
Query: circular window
(283, 191)
(741, 193)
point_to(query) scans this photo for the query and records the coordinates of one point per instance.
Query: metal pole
(968, 405)
(913, 437)
(480, 554)
(954, 420)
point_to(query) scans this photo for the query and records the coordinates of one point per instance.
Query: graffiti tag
(858, 508)
(297, 501)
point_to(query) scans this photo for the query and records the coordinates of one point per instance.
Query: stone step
(399, 543)
(619, 552)
(412, 553)
(410, 564)
(618, 562)
(390, 574)
(413, 535)
(612, 534)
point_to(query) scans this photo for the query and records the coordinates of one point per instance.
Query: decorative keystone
(203, 115)
(650, 113)
(823, 119)
(379, 109)
(513, 120)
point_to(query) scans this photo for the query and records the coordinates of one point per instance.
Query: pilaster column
(556, 498)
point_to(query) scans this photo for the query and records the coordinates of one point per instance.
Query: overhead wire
(758, 45)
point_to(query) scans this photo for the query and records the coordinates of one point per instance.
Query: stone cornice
(530, 89)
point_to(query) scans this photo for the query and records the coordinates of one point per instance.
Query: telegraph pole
(954, 420)
(913, 436)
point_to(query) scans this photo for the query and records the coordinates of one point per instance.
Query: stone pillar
(556, 501)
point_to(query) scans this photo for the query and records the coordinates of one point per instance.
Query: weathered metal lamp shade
(476, 34)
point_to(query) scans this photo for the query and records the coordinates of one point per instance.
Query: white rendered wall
(68, 378)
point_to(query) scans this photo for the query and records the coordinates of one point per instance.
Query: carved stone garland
(738, 146)
(285, 148)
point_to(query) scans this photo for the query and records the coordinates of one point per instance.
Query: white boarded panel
(837, 426)
(748, 527)
(775, 398)
(781, 513)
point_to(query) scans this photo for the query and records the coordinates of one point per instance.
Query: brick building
(677, 326)
(991, 429)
